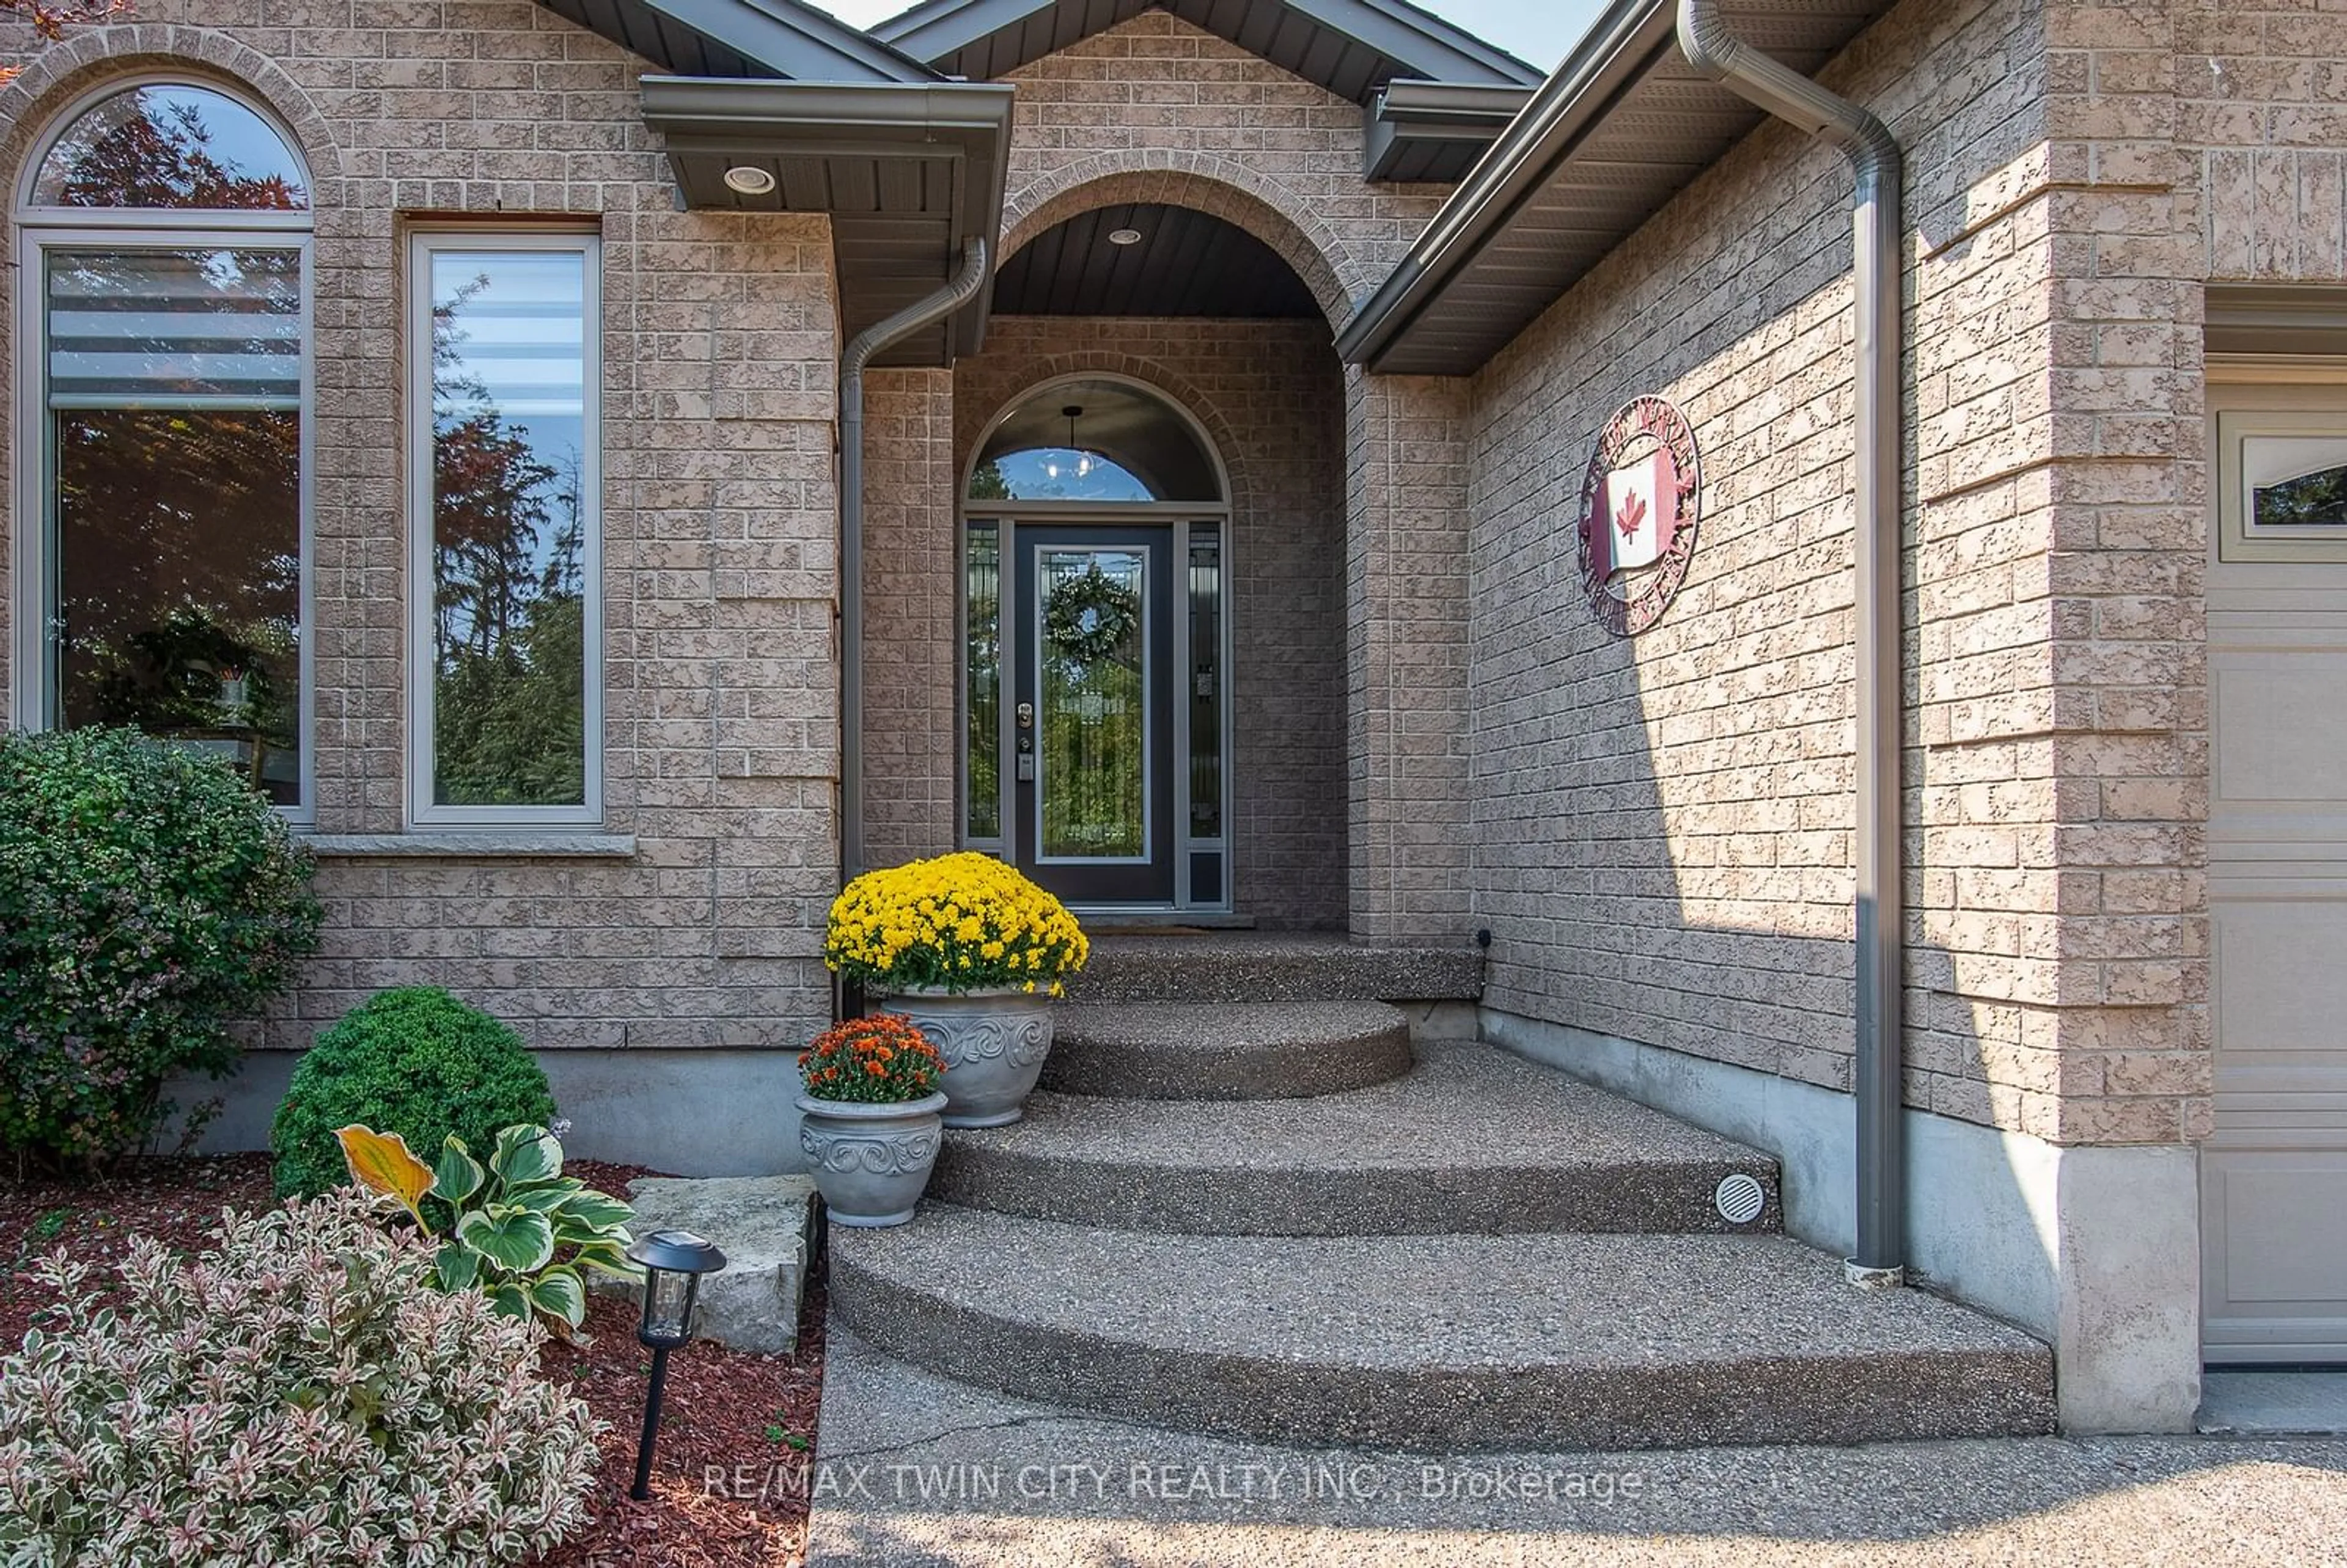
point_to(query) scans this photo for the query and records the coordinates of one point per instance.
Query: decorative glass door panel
(1092, 713)
(1092, 727)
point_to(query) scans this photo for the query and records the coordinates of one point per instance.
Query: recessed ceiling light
(1124, 237)
(748, 180)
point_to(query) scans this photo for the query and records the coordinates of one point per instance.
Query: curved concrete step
(1444, 1344)
(1272, 966)
(1474, 1140)
(1223, 1050)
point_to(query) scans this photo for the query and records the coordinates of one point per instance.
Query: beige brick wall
(2078, 172)
(1664, 830)
(719, 519)
(1406, 657)
(912, 470)
(2188, 144)
(1269, 395)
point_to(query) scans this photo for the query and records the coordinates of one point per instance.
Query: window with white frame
(164, 260)
(2281, 472)
(506, 552)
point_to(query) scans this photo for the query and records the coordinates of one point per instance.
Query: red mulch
(737, 1431)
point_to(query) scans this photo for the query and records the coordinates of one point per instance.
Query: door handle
(1026, 716)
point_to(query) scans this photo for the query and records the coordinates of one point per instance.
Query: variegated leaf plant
(521, 1231)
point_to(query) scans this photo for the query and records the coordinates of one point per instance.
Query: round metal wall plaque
(1640, 502)
(1739, 1198)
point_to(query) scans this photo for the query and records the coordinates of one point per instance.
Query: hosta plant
(519, 1230)
(962, 922)
(298, 1395)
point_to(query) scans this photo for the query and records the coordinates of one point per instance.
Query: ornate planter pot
(993, 1043)
(870, 1161)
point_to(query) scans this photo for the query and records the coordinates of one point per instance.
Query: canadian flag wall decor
(1636, 516)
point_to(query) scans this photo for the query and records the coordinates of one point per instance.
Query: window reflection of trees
(176, 437)
(2311, 500)
(155, 146)
(510, 594)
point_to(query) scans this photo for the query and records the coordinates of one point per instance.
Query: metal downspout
(853, 361)
(1874, 157)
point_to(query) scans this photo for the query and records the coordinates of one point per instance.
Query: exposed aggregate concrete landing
(1224, 1050)
(1474, 1140)
(916, 1471)
(1439, 1342)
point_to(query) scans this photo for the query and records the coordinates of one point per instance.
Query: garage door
(2274, 1175)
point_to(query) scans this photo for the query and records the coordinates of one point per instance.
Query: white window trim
(31, 664)
(423, 244)
(2306, 406)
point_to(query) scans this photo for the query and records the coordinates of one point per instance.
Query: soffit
(1351, 47)
(1186, 263)
(1623, 126)
(907, 173)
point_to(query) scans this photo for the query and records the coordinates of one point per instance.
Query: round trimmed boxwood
(414, 1061)
(149, 895)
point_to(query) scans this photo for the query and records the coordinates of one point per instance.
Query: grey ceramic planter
(993, 1043)
(870, 1163)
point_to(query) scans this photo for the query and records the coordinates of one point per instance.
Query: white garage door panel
(2281, 981)
(2286, 1228)
(2267, 750)
(2273, 1173)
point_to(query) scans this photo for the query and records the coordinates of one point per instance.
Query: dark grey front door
(1093, 801)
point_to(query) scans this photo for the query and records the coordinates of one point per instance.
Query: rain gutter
(1874, 157)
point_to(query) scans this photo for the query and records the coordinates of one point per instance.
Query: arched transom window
(1094, 440)
(166, 260)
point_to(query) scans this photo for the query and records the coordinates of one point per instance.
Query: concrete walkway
(916, 1471)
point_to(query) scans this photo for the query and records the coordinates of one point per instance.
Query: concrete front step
(1474, 1140)
(1437, 1344)
(1267, 967)
(1223, 1050)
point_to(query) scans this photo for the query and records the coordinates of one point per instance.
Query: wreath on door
(1088, 617)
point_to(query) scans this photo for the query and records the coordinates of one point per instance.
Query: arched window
(166, 269)
(167, 144)
(1094, 441)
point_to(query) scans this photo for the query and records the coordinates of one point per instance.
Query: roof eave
(1618, 48)
(709, 118)
(1429, 45)
(1407, 115)
(788, 38)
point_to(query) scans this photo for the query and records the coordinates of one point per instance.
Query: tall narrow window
(506, 550)
(982, 699)
(166, 258)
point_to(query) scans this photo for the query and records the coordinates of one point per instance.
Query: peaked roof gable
(1351, 47)
(767, 38)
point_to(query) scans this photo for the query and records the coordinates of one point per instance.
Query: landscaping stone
(761, 1223)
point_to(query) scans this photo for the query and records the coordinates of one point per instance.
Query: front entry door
(1093, 801)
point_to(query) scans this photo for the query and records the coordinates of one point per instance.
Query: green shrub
(299, 1396)
(414, 1061)
(147, 896)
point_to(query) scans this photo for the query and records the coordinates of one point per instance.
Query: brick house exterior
(1656, 832)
